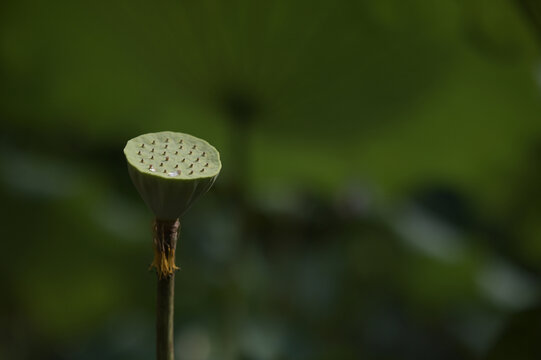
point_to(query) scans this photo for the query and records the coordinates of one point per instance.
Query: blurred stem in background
(531, 10)
(241, 109)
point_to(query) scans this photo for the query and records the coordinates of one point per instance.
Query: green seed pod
(171, 170)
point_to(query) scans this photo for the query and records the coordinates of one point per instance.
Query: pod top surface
(173, 156)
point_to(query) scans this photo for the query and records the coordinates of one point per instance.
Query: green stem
(164, 318)
(165, 243)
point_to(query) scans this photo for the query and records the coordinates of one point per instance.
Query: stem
(164, 318)
(165, 242)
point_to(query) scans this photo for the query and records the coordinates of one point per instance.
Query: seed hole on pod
(142, 145)
(152, 157)
(197, 160)
(153, 142)
(181, 141)
(139, 152)
(190, 152)
(164, 171)
(142, 161)
(204, 153)
(193, 147)
(166, 140)
(164, 153)
(183, 160)
(167, 158)
(165, 146)
(161, 164)
(191, 166)
(176, 166)
(152, 150)
(202, 170)
(176, 152)
(191, 172)
(207, 165)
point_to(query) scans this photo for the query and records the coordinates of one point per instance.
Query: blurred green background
(380, 195)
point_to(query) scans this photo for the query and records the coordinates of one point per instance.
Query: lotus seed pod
(171, 170)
